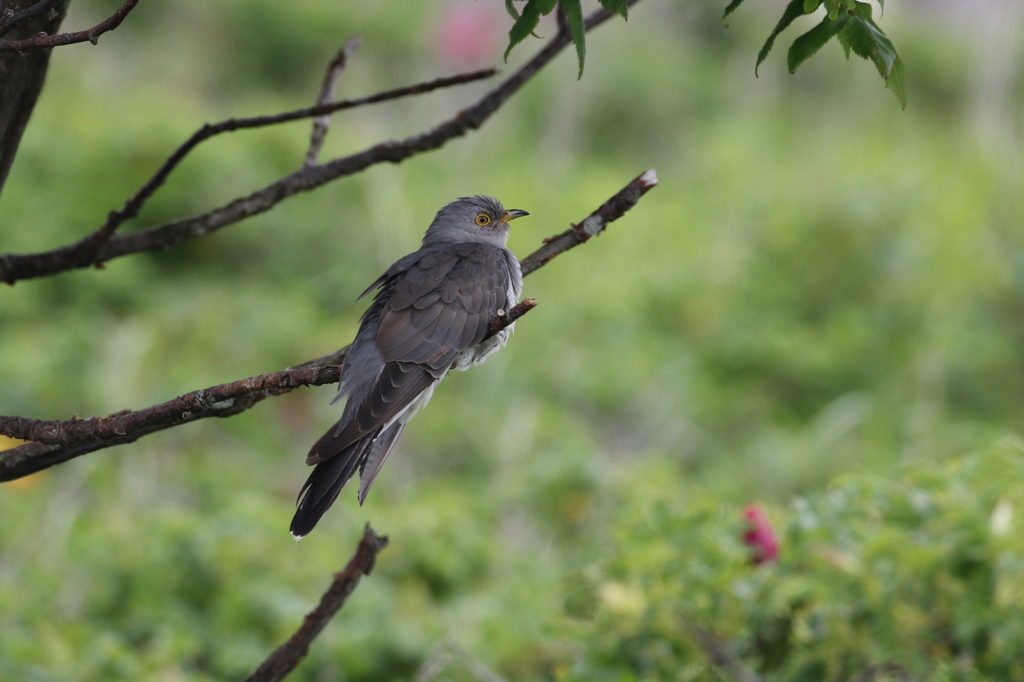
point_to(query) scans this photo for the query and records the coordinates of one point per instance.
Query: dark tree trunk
(22, 74)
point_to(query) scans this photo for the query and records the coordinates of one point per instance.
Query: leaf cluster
(848, 21)
(529, 16)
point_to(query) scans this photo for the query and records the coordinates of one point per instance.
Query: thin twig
(506, 318)
(88, 251)
(103, 246)
(56, 441)
(90, 34)
(594, 224)
(287, 656)
(334, 70)
(8, 23)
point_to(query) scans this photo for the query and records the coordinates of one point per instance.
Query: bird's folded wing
(443, 305)
(439, 306)
(396, 388)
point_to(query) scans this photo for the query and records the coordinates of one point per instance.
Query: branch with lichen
(56, 441)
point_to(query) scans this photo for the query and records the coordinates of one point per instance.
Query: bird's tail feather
(374, 459)
(324, 484)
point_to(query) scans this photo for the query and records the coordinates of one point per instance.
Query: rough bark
(22, 74)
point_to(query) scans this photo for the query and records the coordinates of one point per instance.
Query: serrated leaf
(793, 10)
(867, 40)
(809, 43)
(579, 33)
(811, 5)
(841, 36)
(620, 7)
(861, 9)
(897, 82)
(525, 23)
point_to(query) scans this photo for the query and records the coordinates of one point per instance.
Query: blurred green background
(821, 286)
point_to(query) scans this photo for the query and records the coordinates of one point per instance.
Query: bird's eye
(482, 219)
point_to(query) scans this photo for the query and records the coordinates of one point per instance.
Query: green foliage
(529, 16)
(917, 575)
(767, 324)
(850, 21)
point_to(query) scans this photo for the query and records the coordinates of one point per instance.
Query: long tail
(329, 476)
(324, 484)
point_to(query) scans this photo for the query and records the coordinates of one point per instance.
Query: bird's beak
(512, 214)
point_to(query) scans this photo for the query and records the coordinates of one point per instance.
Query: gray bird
(431, 313)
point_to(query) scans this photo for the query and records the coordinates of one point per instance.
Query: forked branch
(56, 441)
(103, 245)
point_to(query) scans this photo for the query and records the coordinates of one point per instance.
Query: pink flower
(760, 537)
(470, 34)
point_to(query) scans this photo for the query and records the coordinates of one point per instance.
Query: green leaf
(806, 45)
(867, 40)
(832, 7)
(525, 23)
(841, 36)
(731, 8)
(897, 81)
(620, 7)
(793, 10)
(811, 5)
(575, 16)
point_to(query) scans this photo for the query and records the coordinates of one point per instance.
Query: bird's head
(472, 219)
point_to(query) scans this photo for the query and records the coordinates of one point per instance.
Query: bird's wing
(443, 305)
(439, 306)
(397, 387)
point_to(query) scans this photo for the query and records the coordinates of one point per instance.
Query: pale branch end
(506, 318)
(594, 224)
(56, 441)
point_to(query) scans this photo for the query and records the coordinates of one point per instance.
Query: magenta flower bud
(760, 537)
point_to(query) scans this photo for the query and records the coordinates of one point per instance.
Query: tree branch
(102, 245)
(22, 75)
(56, 441)
(8, 23)
(91, 34)
(287, 656)
(506, 318)
(320, 123)
(86, 251)
(594, 224)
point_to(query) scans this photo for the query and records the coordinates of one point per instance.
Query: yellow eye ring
(482, 219)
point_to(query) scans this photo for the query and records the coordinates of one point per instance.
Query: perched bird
(431, 313)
